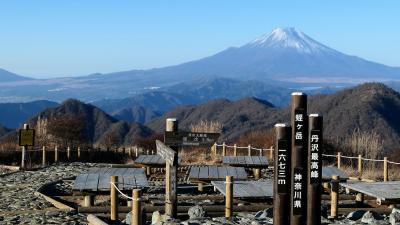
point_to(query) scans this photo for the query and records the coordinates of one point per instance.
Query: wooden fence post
(114, 198)
(359, 199)
(68, 153)
(334, 195)
(261, 152)
(136, 218)
(56, 154)
(282, 175)
(299, 165)
(249, 150)
(24, 150)
(385, 170)
(229, 197)
(271, 153)
(339, 160)
(359, 167)
(44, 156)
(223, 149)
(235, 150)
(79, 152)
(89, 200)
(314, 184)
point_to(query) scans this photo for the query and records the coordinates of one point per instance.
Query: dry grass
(206, 126)
(198, 156)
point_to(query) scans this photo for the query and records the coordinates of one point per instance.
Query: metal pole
(314, 184)
(282, 175)
(299, 159)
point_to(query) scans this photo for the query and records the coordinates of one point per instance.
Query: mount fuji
(285, 57)
(287, 53)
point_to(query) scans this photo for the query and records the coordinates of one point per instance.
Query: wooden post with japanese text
(282, 174)
(298, 159)
(26, 138)
(314, 171)
(171, 164)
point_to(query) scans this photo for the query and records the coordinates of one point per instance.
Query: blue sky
(69, 38)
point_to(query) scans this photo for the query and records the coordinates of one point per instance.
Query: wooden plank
(92, 182)
(222, 172)
(386, 191)
(80, 181)
(231, 172)
(141, 180)
(329, 171)
(140, 159)
(248, 189)
(203, 173)
(194, 172)
(129, 182)
(241, 173)
(213, 172)
(104, 182)
(249, 160)
(166, 152)
(256, 160)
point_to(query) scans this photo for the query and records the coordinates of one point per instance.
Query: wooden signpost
(170, 155)
(185, 138)
(299, 159)
(282, 175)
(314, 169)
(26, 138)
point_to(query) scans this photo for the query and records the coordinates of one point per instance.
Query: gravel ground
(19, 205)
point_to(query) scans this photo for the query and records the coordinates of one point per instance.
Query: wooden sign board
(184, 138)
(26, 137)
(166, 152)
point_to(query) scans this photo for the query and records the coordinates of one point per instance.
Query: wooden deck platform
(152, 160)
(98, 179)
(329, 171)
(246, 161)
(248, 189)
(209, 173)
(383, 191)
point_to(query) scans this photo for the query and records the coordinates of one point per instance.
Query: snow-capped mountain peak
(289, 38)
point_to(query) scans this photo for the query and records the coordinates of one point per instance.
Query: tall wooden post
(136, 218)
(235, 150)
(299, 163)
(229, 197)
(249, 150)
(359, 167)
(385, 170)
(334, 195)
(79, 152)
(271, 153)
(24, 149)
(114, 198)
(282, 174)
(68, 153)
(89, 200)
(44, 156)
(223, 149)
(339, 160)
(314, 184)
(56, 154)
(171, 201)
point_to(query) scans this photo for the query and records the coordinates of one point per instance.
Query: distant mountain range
(283, 58)
(12, 115)
(371, 107)
(7, 76)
